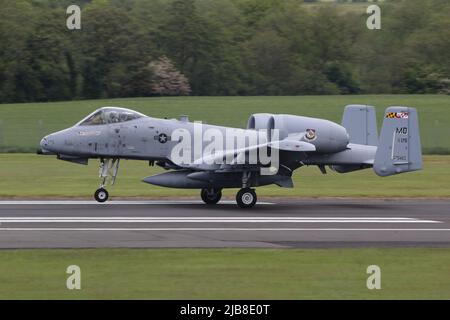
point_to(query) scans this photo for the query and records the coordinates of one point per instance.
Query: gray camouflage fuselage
(303, 141)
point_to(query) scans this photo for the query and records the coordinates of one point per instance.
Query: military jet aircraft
(289, 142)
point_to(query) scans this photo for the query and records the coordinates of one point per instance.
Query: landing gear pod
(399, 149)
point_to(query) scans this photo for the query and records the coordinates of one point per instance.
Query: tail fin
(399, 149)
(361, 124)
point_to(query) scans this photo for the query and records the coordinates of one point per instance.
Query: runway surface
(178, 224)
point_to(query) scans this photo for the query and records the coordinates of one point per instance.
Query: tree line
(219, 47)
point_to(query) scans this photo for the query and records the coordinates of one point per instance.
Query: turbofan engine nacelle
(325, 135)
(262, 121)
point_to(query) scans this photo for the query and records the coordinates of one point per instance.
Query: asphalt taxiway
(178, 224)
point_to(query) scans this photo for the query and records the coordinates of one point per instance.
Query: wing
(237, 160)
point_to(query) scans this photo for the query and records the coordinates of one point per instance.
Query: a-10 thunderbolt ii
(210, 158)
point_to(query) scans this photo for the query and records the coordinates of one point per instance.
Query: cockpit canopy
(108, 115)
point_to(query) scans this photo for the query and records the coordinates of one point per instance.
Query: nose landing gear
(101, 195)
(108, 167)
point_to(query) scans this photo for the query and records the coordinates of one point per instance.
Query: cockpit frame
(110, 115)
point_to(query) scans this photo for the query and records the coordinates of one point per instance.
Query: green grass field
(23, 125)
(30, 175)
(226, 274)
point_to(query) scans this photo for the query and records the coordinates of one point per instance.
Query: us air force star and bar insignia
(397, 115)
(162, 138)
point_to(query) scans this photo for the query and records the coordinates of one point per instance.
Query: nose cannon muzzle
(43, 145)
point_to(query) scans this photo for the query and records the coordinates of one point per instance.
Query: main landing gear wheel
(211, 196)
(101, 195)
(246, 198)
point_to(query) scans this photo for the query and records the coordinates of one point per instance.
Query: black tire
(101, 195)
(246, 198)
(209, 198)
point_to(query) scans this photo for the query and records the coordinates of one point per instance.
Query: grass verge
(225, 273)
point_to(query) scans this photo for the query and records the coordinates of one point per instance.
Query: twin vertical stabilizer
(398, 148)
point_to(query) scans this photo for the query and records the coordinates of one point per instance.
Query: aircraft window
(112, 116)
(108, 116)
(128, 116)
(95, 119)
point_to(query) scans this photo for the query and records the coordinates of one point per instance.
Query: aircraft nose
(44, 146)
(44, 142)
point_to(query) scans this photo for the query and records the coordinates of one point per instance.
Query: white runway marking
(212, 220)
(137, 202)
(215, 229)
